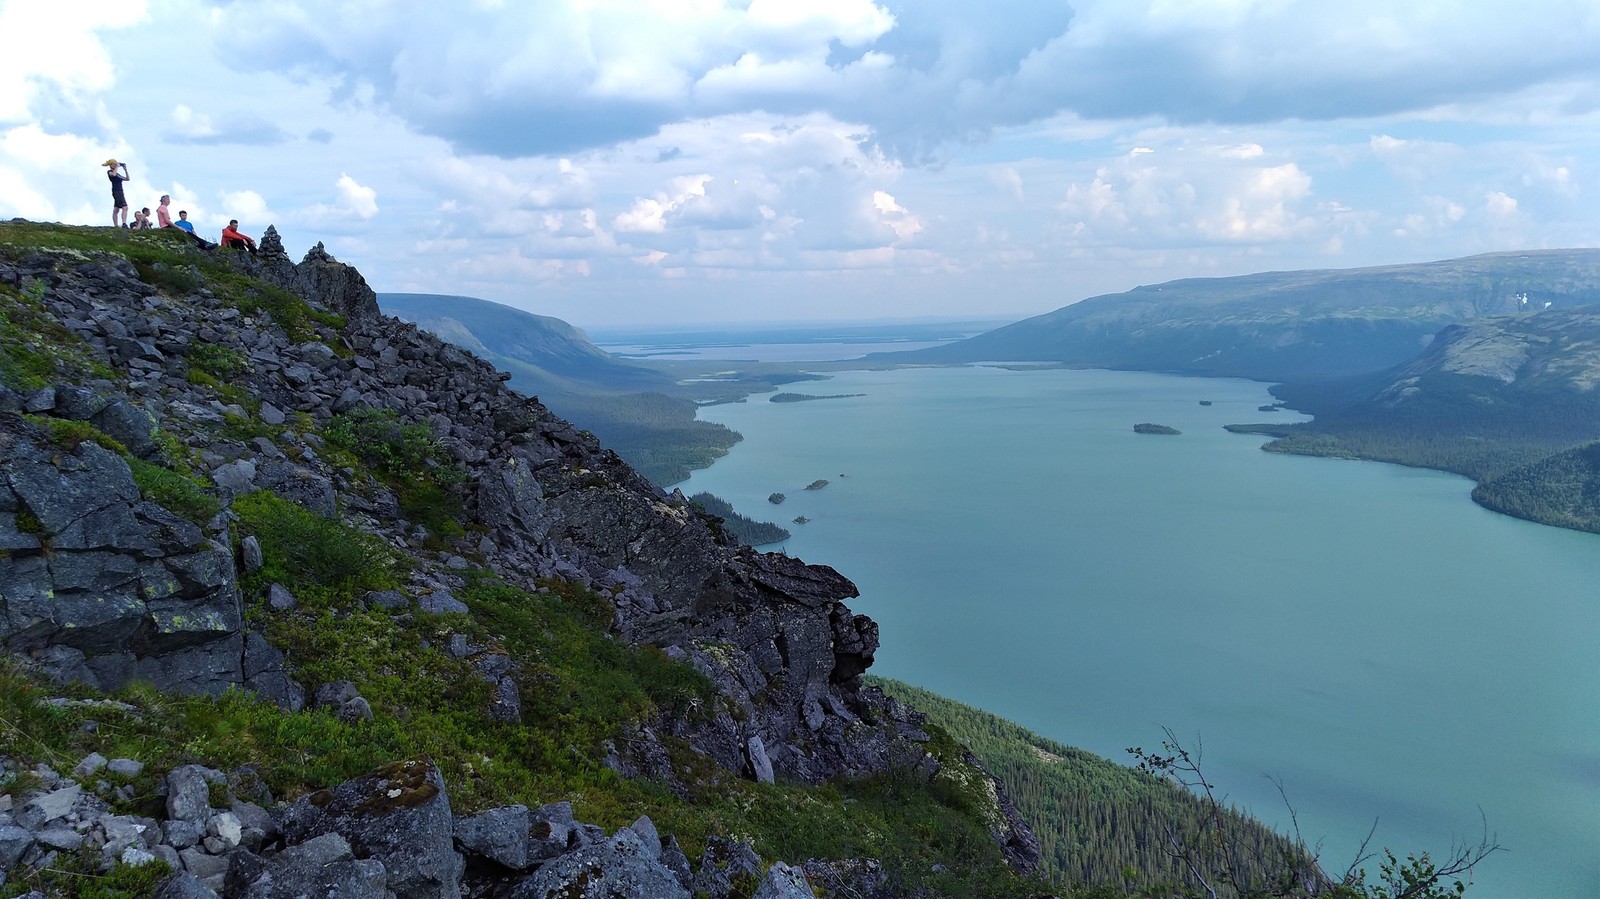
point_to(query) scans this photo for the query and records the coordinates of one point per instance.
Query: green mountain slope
(1095, 820)
(543, 344)
(635, 410)
(1285, 325)
(1510, 401)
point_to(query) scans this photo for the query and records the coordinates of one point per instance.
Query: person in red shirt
(232, 238)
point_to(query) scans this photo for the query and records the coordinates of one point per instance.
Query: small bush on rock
(311, 554)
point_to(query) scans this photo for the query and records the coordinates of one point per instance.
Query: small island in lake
(776, 498)
(801, 519)
(1205, 402)
(802, 397)
(1145, 427)
(1272, 408)
(818, 484)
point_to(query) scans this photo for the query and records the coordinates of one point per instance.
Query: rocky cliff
(150, 390)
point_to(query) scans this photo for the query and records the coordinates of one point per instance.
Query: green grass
(77, 875)
(36, 350)
(178, 492)
(216, 360)
(170, 262)
(1102, 826)
(410, 459)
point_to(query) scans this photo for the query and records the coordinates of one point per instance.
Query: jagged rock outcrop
(771, 631)
(129, 589)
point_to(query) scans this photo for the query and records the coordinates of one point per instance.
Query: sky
(688, 162)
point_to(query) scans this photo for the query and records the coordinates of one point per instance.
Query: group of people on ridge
(117, 172)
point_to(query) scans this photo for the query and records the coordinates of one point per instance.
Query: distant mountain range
(1487, 366)
(1283, 326)
(550, 355)
(635, 410)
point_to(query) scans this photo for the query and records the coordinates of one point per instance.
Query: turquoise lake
(1363, 632)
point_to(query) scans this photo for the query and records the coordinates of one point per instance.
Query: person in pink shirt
(163, 217)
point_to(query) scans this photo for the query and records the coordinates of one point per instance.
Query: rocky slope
(1280, 326)
(154, 393)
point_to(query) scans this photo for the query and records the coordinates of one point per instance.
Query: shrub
(306, 552)
(214, 359)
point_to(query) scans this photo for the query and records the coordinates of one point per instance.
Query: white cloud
(1500, 207)
(185, 126)
(1196, 192)
(249, 207)
(898, 219)
(53, 52)
(1009, 181)
(354, 204)
(357, 199)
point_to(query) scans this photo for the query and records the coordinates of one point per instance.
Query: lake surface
(1361, 631)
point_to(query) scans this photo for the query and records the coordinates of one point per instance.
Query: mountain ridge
(1278, 326)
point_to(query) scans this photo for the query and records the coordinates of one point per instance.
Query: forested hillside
(1096, 821)
(1491, 399)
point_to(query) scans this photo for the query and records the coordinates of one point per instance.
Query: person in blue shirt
(184, 224)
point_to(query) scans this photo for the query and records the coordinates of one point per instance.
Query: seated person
(183, 224)
(232, 238)
(163, 217)
(141, 219)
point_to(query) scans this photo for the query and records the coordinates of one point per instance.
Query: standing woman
(119, 203)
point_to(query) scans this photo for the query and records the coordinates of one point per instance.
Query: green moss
(410, 459)
(36, 350)
(69, 435)
(27, 522)
(76, 875)
(180, 493)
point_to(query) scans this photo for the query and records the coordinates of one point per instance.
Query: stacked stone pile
(386, 834)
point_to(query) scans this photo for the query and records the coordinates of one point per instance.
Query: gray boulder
(398, 815)
(341, 697)
(784, 882)
(499, 834)
(129, 425)
(324, 866)
(618, 868)
(184, 885)
(723, 862)
(760, 765)
(188, 795)
(552, 831)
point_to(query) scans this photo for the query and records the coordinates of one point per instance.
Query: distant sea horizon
(792, 343)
